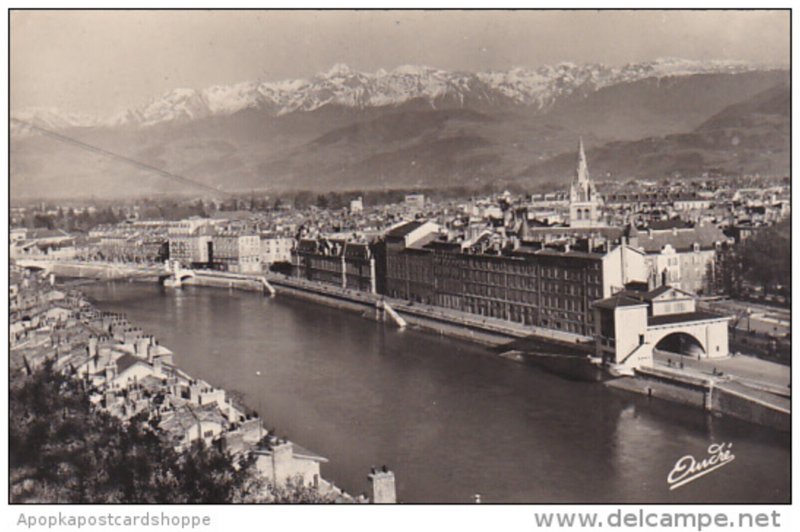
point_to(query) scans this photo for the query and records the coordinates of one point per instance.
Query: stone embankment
(738, 399)
(718, 395)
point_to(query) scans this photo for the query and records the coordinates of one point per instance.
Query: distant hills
(417, 126)
(748, 137)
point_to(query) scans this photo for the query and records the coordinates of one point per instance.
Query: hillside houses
(129, 375)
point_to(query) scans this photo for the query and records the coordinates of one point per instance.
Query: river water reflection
(450, 418)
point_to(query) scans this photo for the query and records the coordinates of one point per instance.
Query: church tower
(585, 204)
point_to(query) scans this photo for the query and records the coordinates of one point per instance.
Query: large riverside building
(190, 242)
(236, 252)
(337, 262)
(408, 271)
(533, 284)
(276, 249)
(682, 257)
(202, 243)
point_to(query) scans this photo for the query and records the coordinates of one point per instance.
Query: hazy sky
(98, 62)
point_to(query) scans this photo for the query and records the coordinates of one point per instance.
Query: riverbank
(554, 351)
(517, 342)
(718, 396)
(129, 375)
(367, 393)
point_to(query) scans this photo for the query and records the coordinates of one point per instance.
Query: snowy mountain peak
(339, 70)
(538, 88)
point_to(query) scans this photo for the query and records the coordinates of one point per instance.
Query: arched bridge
(94, 270)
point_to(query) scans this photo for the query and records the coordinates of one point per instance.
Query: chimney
(92, 346)
(383, 489)
(157, 366)
(110, 398)
(142, 345)
(150, 352)
(282, 456)
(111, 371)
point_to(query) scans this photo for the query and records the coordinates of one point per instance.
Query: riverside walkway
(750, 371)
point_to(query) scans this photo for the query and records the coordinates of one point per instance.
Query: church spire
(583, 169)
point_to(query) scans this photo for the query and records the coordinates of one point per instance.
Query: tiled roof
(419, 244)
(186, 417)
(403, 230)
(650, 295)
(618, 300)
(453, 247)
(682, 318)
(126, 361)
(34, 234)
(681, 239)
(302, 452)
(659, 225)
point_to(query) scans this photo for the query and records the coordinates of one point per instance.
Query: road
(748, 370)
(762, 319)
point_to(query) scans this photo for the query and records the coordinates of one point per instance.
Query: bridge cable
(133, 162)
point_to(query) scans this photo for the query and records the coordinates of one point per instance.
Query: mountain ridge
(538, 88)
(413, 144)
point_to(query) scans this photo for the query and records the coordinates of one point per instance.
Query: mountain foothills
(419, 126)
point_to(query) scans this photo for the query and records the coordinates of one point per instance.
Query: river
(450, 418)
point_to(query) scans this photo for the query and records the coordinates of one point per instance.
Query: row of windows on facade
(577, 303)
(507, 279)
(351, 269)
(517, 266)
(571, 322)
(475, 279)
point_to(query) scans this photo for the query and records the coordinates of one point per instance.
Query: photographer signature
(689, 468)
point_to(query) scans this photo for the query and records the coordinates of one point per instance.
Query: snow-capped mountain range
(537, 88)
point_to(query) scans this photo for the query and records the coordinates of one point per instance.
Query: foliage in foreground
(62, 450)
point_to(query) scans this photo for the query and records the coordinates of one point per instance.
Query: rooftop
(403, 230)
(619, 300)
(683, 318)
(681, 239)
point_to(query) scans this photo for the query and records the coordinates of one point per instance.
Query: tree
(62, 449)
(766, 259)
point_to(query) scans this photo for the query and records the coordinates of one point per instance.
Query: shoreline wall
(365, 304)
(669, 388)
(729, 399)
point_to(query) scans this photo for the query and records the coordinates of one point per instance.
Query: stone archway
(682, 343)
